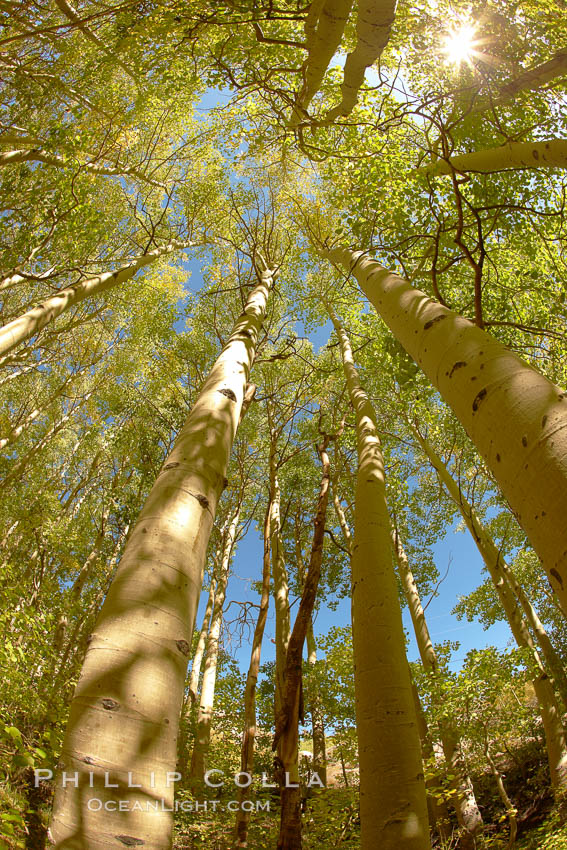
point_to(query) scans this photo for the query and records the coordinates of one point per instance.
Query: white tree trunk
(20, 329)
(125, 713)
(515, 416)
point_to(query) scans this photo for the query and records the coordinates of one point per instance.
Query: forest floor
(330, 822)
(330, 818)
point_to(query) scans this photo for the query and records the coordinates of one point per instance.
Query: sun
(460, 45)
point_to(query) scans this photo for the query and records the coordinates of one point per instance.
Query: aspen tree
(319, 763)
(439, 817)
(466, 807)
(207, 695)
(82, 624)
(249, 733)
(125, 713)
(57, 85)
(287, 760)
(23, 371)
(323, 41)
(9, 533)
(21, 465)
(317, 722)
(532, 78)
(393, 806)
(286, 737)
(85, 572)
(347, 534)
(25, 326)
(280, 577)
(555, 736)
(36, 411)
(554, 68)
(517, 155)
(514, 415)
(373, 24)
(37, 155)
(183, 761)
(498, 569)
(511, 810)
(207, 624)
(312, 19)
(552, 659)
(85, 483)
(15, 432)
(70, 12)
(202, 641)
(87, 567)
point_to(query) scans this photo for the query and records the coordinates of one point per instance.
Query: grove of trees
(294, 274)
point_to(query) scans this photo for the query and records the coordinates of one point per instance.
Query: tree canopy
(293, 273)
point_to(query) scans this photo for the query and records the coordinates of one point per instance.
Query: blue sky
(464, 575)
